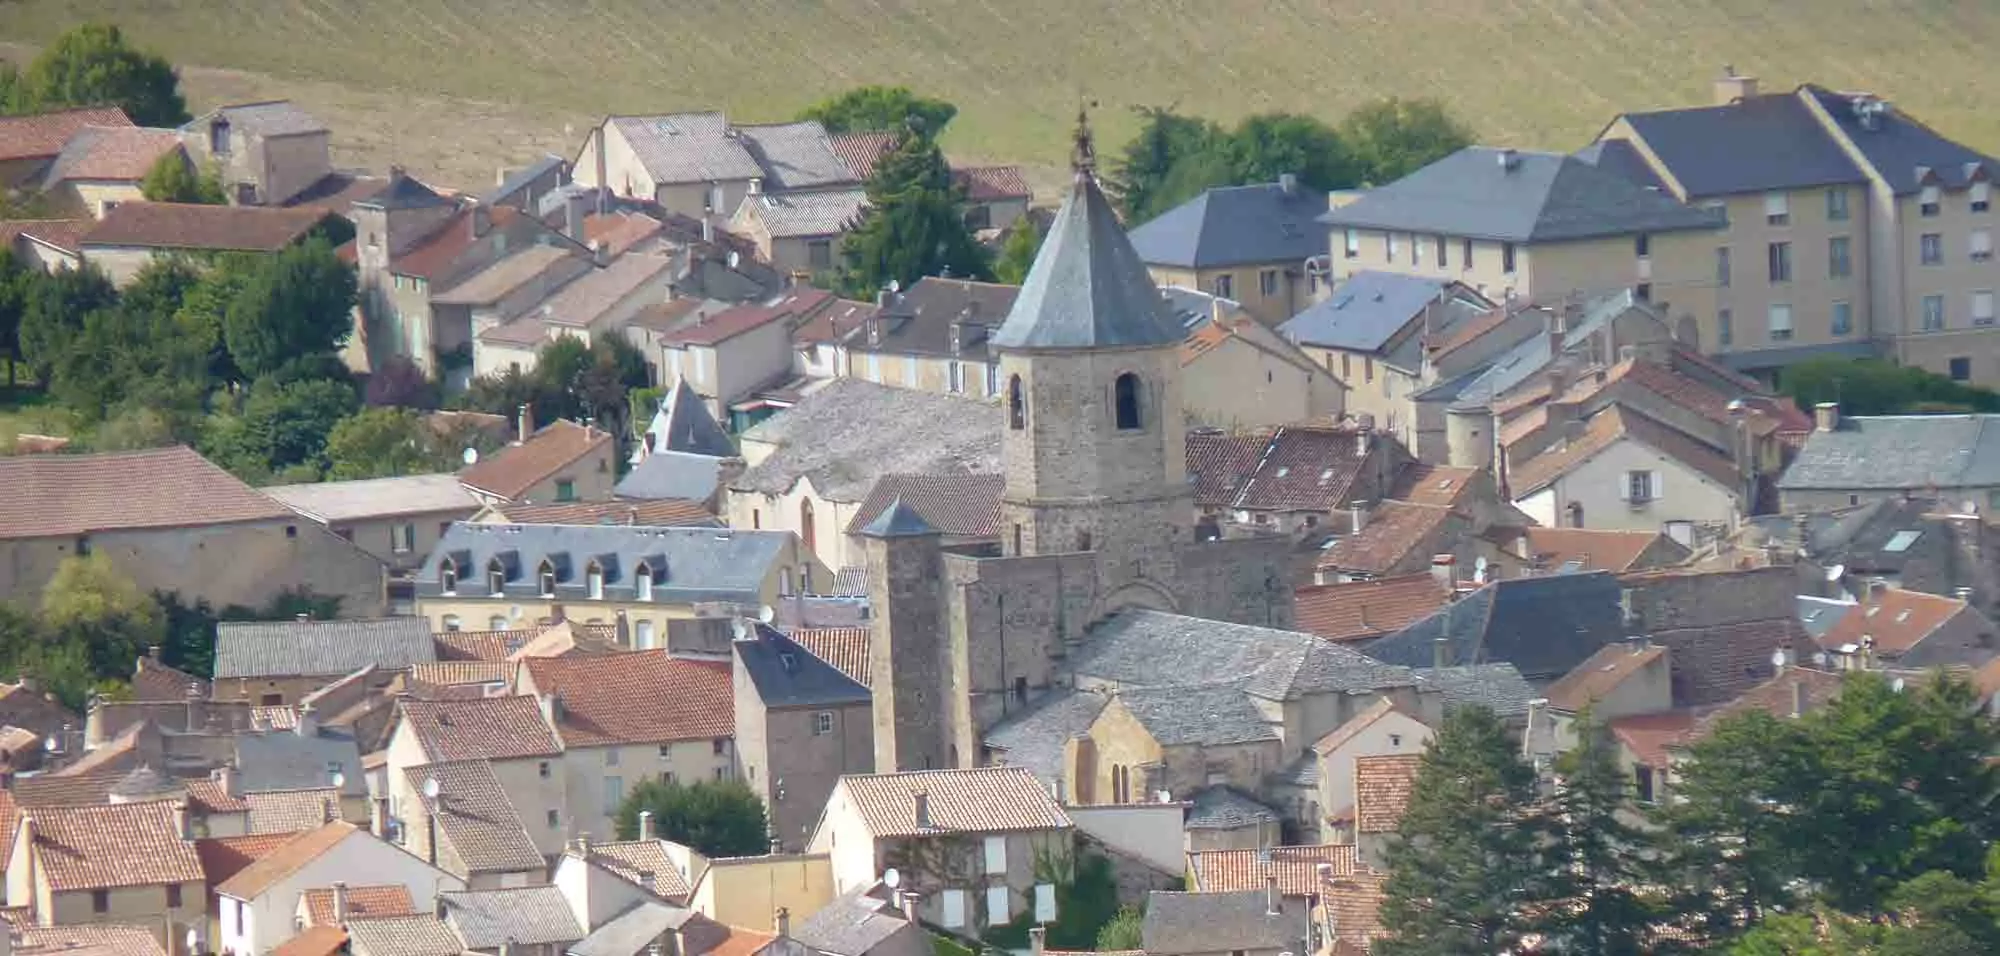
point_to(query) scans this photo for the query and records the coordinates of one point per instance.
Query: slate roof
(1903, 150)
(919, 319)
(1545, 197)
(686, 699)
(1498, 687)
(853, 924)
(797, 155)
(1289, 468)
(1818, 615)
(290, 760)
(884, 431)
(683, 478)
(112, 845)
(522, 915)
(513, 470)
(1143, 648)
(1715, 663)
(1606, 429)
(110, 153)
(38, 135)
(1237, 225)
(1543, 625)
(265, 118)
(1210, 715)
(490, 728)
(787, 675)
(1394, 530)
(807, 215)
(957, 505)
(1369, 310)
(1621, 157)
(1757, 144)
(1221, 807)
(69, 495)
(319, 648)
(165, 225)
(661, 513)
(592, 296)
(1034, 737)
(286, 860)
(1296, 867)
(688, 148)
(687, 564)
(1087, 288)
(1382, 787)
(1899, 452)
(846, 648)
(683, 424)
(507, 274)
(477, 818)
(331, 502)
(1601, 674)
(979, 800)
(1189, 923)
(420, 935)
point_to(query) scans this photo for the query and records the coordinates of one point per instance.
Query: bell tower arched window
(1017, 405)
(1125, 398)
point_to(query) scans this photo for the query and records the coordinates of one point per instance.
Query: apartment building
(1852, 229)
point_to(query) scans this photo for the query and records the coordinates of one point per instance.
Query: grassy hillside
(1530, 72)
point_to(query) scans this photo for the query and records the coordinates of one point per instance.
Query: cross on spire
(1083, 152)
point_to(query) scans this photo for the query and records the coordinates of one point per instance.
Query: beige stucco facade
(974, 376)
(589, 478)
(1270, 291)
(89, 198)
(816, 520)
(537, 786)
(725, 371)
(749, 891)
(1599, 486)
(1241, 383)
(626, 176)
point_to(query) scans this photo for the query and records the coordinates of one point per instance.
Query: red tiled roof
(1356, 904)
(959, 505)
(152, 680)
(1394, 531)
(988, 183)
(301, 849)
(120, 153)
(979, 800)
(63, 234)
(846, 648)
(1296, 867)
(1382, 787)
(68, 495)
(489, 728)
(436, 254)
(315, 941)
(513, 470)
(741, 942)
(1780, 697)
(208, 796)
(737, 320)
(1897, 620)
(168, 225)
(43, 134)
(619, 231)
(646, 863)
(861, 151)
(224, 857)
(1593, 549)
(391, 899)
(1648, 736)
(1600, 674)
(832, 323)
(684, 699)
(1470, 332)
(1363, 609)
(88, 939)
(1286, 469)
(112, 845)
(1432, 484)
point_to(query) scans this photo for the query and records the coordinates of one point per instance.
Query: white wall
(1599, 484)
(359, 859)
(846, 842)
(1395, 733)
(1150, 832)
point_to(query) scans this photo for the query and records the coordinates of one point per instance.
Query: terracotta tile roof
(315, 941)
(380, 900)
(1382, 786)
(646, 863)
(445, 673)
(10, 822)
(1605, 429)
(43, 134)
(1433, 484)
(958, 505)
(1897, 620)
(224, 857)
(1986, 678)
(1592, 549)
(1600, 674)
(516, 468)
(152, 680)
(741, 942)
(1714, 664)
(1339, 736)
(832, 323)
(476, 818)
(434, 257)
(1648, 736)
(988, 183)
(420, 935)
(482, 645)
(732, 322)
(165, 225)
(63, 234)
(619, 231)
(1364, 609)
(119, 844)
(685, 699)
(1394, 531)
(568, 639)
(668, 512)
(1356, 905)
(59, 790)
(846, 648)
(208, 796)
(1290, 468)
(493, 728)
(89, 939)
(68, 495)
(114, 153)
(982, 800)
(1296, 867)
(861, 151)
(282, 862)
(1781, 696)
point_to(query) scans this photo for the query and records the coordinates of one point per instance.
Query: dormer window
(643, 581)
(1929, 201)
(448, 578)
(594, 582)
(496, 577)
(548, 579)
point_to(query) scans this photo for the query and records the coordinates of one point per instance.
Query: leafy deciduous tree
(1018, 254)
(1392, 138)
(174, 179)
(881, 108)
(92, 65)
(716, 817)
(383, 442)
(90, 605)
(298, 303)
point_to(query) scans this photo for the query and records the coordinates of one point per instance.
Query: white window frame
(1982, 307)
(1925, 313)
(1835, 324)
(1980, 242)
(823, 723)
(643, 583)
(1930, 201)
(1353, 244)
(643, 635)
(1777, 209)
(593, 580)
(1979, 197)
(1641, 486)
(1778, 322)
(953, 904)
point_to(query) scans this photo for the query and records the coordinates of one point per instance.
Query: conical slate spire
(898, 521)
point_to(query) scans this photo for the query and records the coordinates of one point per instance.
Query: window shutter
(997, 905)
(954, 908)
(1659, 488)
(996, 854)
(1625, 487)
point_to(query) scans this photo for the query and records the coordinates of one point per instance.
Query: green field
(1539, 73)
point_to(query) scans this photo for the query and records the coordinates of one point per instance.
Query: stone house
(729, 354)
(398, 520)
(1291, 479)
(1384, 729)
(598, 302)
(1628, 679)
(259, 904)
(700, 166)
(557, 463)
(966, 841)
(470, 828)
(101, 167)
(1855, 459)
(512, 734)
(1625, 470)
(171, 521)
(1258, 245)
(1243, 923)
(108, 863)
(799, 232)
(47, 244)
(932, 337)
(267, 153)
(1177, 740)
(278, 663)
(1240, 373)
(996, 197)
(134, 234)
(800, 725)
(29, 143)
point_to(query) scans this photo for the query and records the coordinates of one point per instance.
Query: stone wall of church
(1244, 580)
(1011, 621)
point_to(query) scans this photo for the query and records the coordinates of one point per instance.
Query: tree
(134, 350)
(384, 442)
(1270, 145)
(92, 607)
(174, 179)
(892, 108)
(281, 430)
(716, 817)
(135, 429)
(1123, 932)
(1595, 855)
(1392, 138)
(299, 303)
(1722, 844)
(1876, 387)
(398, 381)
(56, 307)
(1165, 140)
(1018, 254)
(15, 280)
(91, 65)
(1466, 856)
(914, 226)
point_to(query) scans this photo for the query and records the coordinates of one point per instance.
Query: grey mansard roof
(688, 564)
(1088, 289)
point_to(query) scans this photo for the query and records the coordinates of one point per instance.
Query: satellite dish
(891, 878)
(470, 456)
(734, 258)
(1778, 657)
(895, 285)
(340, 780)
(766, 613)
(431, 788)
(736, 628)
(1836, 572)
(1896, 685)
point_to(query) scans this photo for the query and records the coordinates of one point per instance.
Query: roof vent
(1509, 160)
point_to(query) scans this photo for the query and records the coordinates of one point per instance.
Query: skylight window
(1901, 541)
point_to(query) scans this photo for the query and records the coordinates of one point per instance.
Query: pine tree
(1595, 852)
(1018, 254)
(1466, 861)
(914, 226)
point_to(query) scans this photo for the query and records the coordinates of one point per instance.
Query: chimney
(1363, 437)
(1271, 907)
(600, 254)
(1877, 588)
(1509, 160)
(1288, 183)
(781, 922)
(707, 227)
(225, 777)
(1826, 416)
(1732, 86)
(339, 902)
(583, 845)
(909, 901)
(1798, 695)
(182, 822)
(923, 809)
(482, 221)
(576, 206)
(603, 189)
(153, 652)
(525, 421)
(646, 825)
(756, 186)
(396, 175)
(1357, 516)
(1444, 569)
(1441, 652)
(302, 617)
(308, 725)
(1963, 594)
